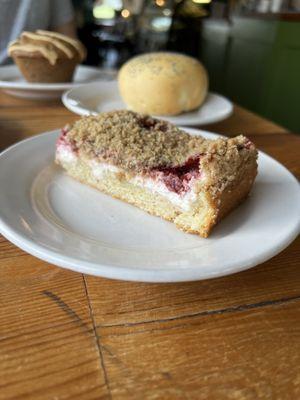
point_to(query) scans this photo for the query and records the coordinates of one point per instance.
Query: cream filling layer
(184, 201)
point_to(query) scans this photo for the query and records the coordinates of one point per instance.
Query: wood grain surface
(64, 335)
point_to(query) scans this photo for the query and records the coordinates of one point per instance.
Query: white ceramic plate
(13, 83)
(104, 96)
(66, 223)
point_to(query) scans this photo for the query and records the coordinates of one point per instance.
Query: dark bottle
(185, 32)
(106, 32)
(153, 25)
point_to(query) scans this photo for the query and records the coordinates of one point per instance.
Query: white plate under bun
(61, 221)
(12, 82)
(104, 96)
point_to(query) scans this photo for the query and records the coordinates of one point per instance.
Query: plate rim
(144, 274)
(27, 86)
(82, 111)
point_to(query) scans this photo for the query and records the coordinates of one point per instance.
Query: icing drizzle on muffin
(50, 45)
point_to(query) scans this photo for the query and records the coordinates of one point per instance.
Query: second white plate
(104, 96)
(55, 218)
(12, 82)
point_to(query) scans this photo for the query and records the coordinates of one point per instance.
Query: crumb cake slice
(159, 168)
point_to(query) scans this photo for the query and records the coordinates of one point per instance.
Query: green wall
(256, 63)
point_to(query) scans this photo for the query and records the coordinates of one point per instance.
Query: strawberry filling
(178, 179)
(62, 137)
(63, 141)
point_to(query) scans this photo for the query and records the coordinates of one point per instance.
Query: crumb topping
(227, 162)
(144, 145)
(134, 141)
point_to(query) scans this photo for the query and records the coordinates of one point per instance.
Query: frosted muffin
(46, 57)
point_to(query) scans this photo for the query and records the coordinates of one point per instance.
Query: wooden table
(64, 335)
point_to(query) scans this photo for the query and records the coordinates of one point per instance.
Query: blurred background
(251, 48)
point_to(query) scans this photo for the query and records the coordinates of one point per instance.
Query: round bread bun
(163, 83)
